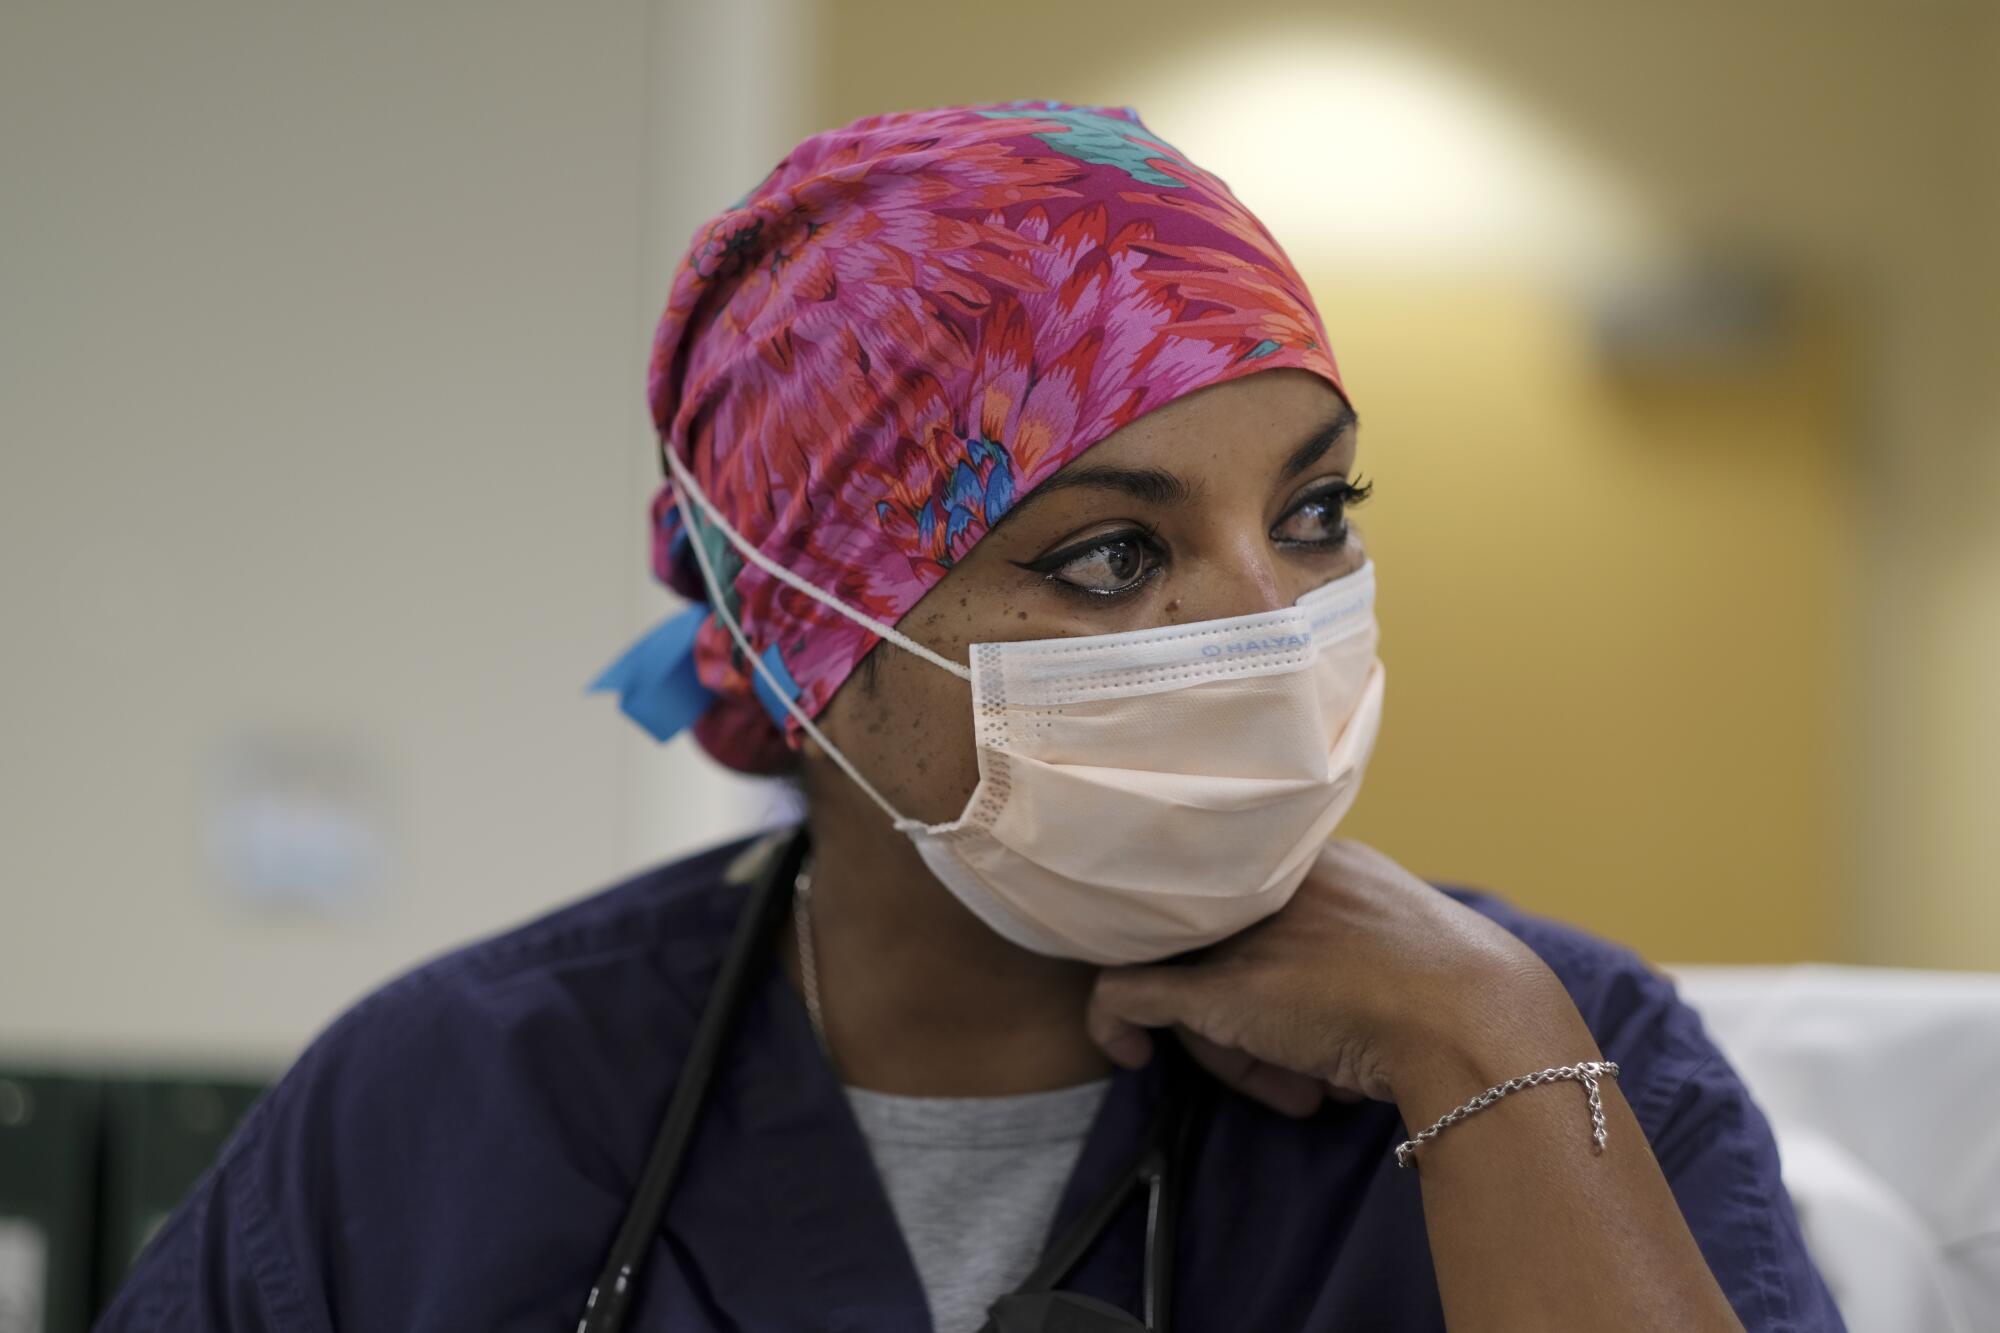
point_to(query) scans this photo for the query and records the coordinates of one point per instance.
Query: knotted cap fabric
(907, 326)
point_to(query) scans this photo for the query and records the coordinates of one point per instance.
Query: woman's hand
(1368, 983)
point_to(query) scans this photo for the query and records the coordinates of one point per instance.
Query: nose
(1238, 578)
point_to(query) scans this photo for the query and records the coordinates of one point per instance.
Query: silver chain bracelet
(1587, 1073)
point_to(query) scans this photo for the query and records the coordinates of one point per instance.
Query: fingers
(1127, 1001)
(1149, 996)
(1282, 1090)
(1126, 1043)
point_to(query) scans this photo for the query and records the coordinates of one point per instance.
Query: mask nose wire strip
(685, 480)
(721, 606)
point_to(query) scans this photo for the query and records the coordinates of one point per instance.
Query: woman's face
(1227, 501)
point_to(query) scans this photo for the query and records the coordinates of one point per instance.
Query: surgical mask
(1140, 794)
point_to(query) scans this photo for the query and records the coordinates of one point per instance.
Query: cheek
(911, 735)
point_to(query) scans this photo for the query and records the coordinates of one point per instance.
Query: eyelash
(1347, 493)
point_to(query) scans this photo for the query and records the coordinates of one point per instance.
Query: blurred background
(1673, 332)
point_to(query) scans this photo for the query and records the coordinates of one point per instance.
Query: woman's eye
(1315, 522)
(1320, 518)
(1116, 565)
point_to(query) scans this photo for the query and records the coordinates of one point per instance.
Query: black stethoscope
(1160, 1165)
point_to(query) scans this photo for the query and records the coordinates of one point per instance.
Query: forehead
(1271, 409)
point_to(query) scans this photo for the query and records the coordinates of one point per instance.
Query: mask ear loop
(750, 655)
(685, 481)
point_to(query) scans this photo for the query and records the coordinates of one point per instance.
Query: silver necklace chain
(808, 962)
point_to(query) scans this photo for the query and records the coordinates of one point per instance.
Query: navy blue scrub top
(456, 1151)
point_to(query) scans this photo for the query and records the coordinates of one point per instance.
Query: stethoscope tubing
(749, 946)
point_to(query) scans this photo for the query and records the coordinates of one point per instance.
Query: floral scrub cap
(903, 329)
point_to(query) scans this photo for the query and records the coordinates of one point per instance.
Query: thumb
(1125, 1001)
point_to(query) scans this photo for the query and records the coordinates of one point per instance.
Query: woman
(1066, 966)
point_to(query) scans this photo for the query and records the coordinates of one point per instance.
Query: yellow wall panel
(1610, 620)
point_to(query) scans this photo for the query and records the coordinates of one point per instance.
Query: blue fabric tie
(655, 678)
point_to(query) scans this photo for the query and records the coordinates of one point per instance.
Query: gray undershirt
(974, 1183)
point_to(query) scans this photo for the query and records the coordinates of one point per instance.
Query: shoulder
(657, 927)
(561, 1012)
(563, 998)
(512, 1079)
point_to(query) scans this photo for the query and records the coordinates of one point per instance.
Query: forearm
(1529, 1227)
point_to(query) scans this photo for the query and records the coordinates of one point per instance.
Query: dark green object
(48, 1158)
(159, 1136)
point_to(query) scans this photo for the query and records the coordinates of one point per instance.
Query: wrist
(1505, 1028)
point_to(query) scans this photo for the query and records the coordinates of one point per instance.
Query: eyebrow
(1152, 485)
(1314, 446)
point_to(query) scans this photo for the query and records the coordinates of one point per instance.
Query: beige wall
(322, 405)
(1936, 863)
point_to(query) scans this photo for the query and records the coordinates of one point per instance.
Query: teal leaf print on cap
(1104, 140)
